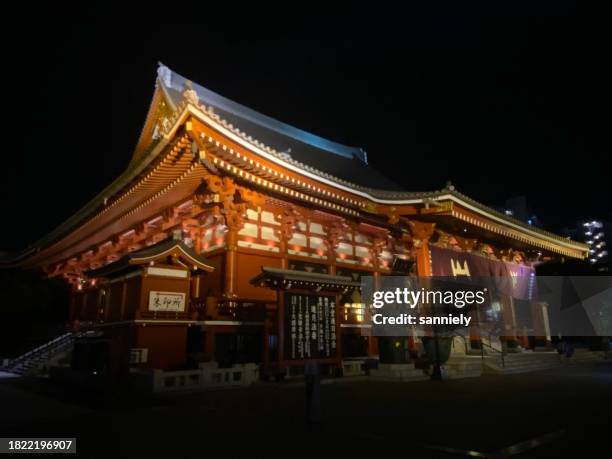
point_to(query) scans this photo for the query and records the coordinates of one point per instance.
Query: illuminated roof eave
(569, 244)
(448, 196)
(88, 211)
(182, 113)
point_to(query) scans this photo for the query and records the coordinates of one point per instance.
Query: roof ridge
(168, 78)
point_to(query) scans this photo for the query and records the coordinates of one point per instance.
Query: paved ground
(558, 413)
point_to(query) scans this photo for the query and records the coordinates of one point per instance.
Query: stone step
(517, 369)
(458, 367)
(523, 362)
(534, 356)
(584, 355)
(528, 362)
(452, 373)
(404, 372)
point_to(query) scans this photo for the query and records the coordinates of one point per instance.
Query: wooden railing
(242, 310)
(165, 315)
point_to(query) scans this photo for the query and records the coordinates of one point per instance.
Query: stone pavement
(562, 412)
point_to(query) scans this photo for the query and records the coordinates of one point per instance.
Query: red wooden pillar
(372, 340)
(424, 269)
(423, 259)
(230, 262)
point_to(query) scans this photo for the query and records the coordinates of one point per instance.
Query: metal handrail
(502, 353)
(54, 343)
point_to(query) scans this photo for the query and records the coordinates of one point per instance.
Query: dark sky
(504, 102)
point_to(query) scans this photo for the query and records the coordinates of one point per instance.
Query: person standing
(312, 377)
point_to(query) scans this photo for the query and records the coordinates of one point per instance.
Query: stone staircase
(463, 366)
(38, 359)
(404, 372)
(582, 355)
(521, 362)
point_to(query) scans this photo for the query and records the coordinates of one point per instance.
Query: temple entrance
(308, 320)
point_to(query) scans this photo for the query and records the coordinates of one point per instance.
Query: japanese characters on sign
(310, 325)
(166, 301)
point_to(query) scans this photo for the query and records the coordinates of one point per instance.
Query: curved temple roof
(164, 249)
(326, 161)
(354, 174)
(348, 163)
(265, 126)
(286, 278)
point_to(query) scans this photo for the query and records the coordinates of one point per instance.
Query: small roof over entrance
(285, 279)
(171, 250)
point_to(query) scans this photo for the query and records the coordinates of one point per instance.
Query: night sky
(501, 102)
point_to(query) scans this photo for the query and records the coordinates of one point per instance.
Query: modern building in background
(596, 233)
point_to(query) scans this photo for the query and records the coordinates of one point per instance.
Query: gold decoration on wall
(485, 249)
(335, 233)
(289, 221)
(252, 198)
(421, 231)
(224, 192)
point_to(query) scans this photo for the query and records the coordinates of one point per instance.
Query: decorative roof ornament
(164, 74)
(285, 155)
(190, 95)
(449, 186)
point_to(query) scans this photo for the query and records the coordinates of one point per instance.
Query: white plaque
(155, 271)
(166, 301)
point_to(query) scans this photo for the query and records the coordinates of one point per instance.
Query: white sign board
(155, 271)
(166, 301)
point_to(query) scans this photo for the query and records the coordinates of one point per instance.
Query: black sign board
(310, 326)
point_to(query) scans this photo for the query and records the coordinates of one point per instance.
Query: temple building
(228, 226)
